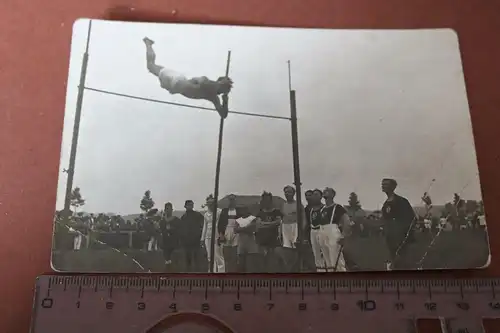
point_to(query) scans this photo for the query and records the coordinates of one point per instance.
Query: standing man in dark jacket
(308, 263)
(169, 226)
(306, 232)
(227, 236)
(399, 218)
(190, 229)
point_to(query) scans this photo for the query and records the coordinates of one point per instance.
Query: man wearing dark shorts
(268, 234)
(399, 218)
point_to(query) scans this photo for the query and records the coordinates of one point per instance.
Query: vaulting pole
(295, 151)
(76, 126)
(217, 174)
(296, 166)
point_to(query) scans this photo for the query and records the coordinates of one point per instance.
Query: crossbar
(180, 104)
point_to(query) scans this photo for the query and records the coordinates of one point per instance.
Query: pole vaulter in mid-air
(193, 88)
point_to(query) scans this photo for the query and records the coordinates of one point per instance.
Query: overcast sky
(371, 104)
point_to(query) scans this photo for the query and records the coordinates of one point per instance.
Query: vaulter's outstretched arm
(217, 104)
(221, 107)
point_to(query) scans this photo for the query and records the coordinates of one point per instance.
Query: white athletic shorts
(171, 80)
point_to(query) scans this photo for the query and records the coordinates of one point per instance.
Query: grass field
(452, 250)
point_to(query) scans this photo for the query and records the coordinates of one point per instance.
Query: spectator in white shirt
(206, 236)
(227, 235)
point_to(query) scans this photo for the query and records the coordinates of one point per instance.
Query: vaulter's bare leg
(151, 57)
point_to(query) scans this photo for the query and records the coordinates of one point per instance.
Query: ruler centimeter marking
(245, 304)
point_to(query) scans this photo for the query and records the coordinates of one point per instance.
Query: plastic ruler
(129, 304)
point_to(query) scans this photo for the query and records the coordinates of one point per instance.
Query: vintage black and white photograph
(227, 149)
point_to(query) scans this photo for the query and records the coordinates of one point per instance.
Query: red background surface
(34, 55)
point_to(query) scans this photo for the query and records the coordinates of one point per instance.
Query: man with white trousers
(289, 227)
(329, 224)
(206, 236)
